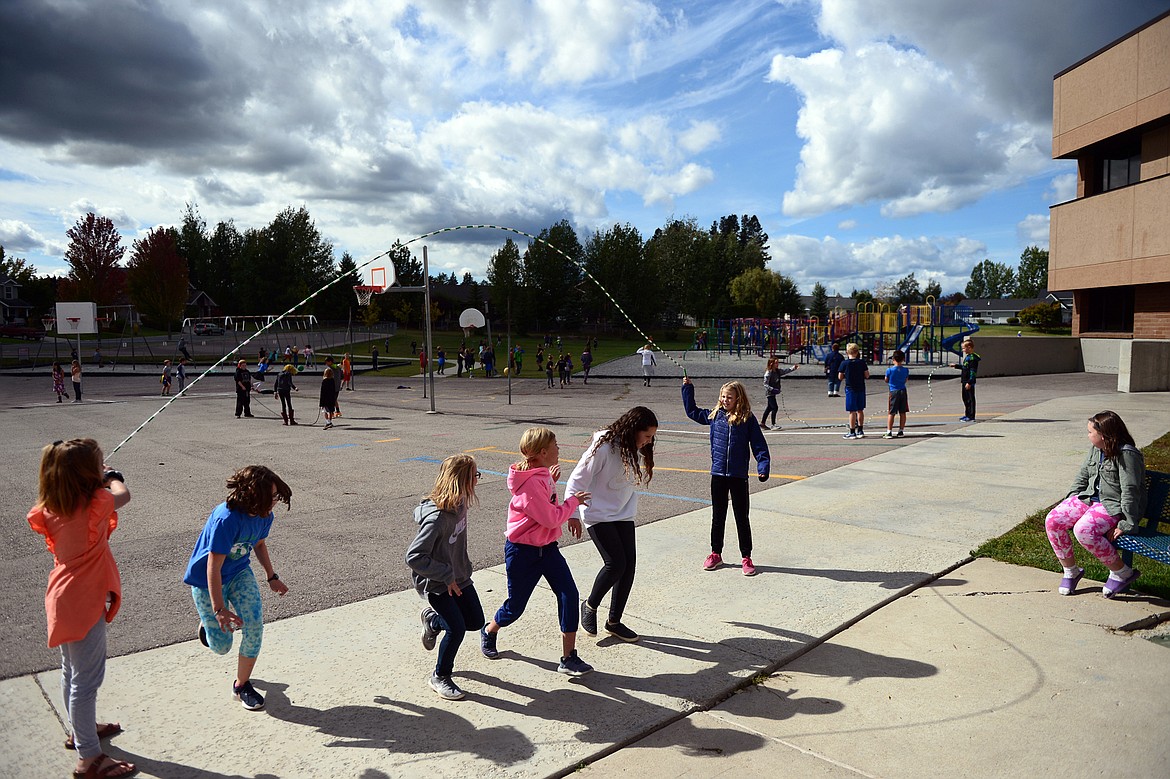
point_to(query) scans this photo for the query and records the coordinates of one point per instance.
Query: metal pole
(510, 362)
(430, 377)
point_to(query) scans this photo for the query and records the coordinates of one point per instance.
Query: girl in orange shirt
(76, 512)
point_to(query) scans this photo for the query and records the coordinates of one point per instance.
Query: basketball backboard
(77, 318)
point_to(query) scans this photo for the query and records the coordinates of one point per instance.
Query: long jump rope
(368, 262)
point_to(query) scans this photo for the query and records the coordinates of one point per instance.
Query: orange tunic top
(84, 573)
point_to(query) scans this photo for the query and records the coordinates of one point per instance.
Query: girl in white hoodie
(618, 459)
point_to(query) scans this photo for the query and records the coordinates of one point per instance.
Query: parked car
(207, 328)
(22, 331)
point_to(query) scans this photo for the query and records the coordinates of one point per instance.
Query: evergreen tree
(552, 277)
(675, 256)
(933, 292)
(820, 303)
(224, 258)
(505, 274)
(195, 247)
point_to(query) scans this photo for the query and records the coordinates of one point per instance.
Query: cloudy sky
(873, 138)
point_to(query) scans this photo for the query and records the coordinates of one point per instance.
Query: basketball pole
(430, 376)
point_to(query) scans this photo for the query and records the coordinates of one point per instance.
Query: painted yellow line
(387, 440)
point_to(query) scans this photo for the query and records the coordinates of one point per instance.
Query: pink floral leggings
(1089, 523)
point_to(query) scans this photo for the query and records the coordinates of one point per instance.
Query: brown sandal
(105, 730)
(106, 767)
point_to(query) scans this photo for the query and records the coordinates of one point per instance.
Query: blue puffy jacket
(730, 443)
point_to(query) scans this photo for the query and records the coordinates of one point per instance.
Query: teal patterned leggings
(243, 597)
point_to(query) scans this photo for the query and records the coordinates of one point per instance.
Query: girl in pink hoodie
(530, 546)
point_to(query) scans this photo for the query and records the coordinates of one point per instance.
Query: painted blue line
(420, 460)
(339, 446)
(703, 501)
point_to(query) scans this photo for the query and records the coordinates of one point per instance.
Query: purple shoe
(1113, 587)
(1068, 585)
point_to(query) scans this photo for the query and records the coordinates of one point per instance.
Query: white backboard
(77, 318)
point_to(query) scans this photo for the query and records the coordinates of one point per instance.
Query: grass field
(1027, 544)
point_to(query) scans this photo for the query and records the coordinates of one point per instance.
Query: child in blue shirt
(853, 374)
(220, 574)
(899, 404)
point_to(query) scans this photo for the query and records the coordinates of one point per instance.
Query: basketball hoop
(366, 294)
(73, 323)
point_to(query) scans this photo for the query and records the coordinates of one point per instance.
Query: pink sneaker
(748, 568)
(713, 561)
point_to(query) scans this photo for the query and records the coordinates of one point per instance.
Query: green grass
(1011, 330)
(1027, 544)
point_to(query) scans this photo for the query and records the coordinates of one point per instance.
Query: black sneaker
(588, 618)
(487, 643)
(247, 696)
(573, 665)
(618, 630)
(203, 635)
(429, 631)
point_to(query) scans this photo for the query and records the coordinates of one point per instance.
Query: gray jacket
(438, 555)
(1118, 483)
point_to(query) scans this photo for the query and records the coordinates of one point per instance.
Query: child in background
(166, 377)
(530, 547)
(59, 381)
(772, 387)
(833, 369)
(442, 570)
(347, 372)
(182, 374)
(618, 459)
(899, 404)
(734, 430)
(1108, 498)
(328, 397)
(548, 372)
(563, 370)
(969, 370)
(75, 374)
(220, 573)
(853, 373)
(284, 387)
(76, 511)
(586, 362)
(648, 363)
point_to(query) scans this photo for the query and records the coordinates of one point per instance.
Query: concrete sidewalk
(987, 671)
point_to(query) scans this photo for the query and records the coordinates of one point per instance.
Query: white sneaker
(445, 688)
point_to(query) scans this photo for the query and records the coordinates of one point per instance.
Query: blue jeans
(83, 668)
(525, 565)
(457, 615)
(834, 382)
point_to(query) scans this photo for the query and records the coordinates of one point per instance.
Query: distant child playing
(220, 573)
(530, 547)
(166, 377)
(442, 570)
(734, 430)
(328, 397)
(1108, 498)
(833, 370)
(968, 373)
(76, 511)
(853, 374)
(618, 459)
(772, 378)
(59, 382)
(899, 404)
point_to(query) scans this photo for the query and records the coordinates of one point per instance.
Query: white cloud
(1033, 230)
(845, 266)
(847, 224)
(17, 236)
(1062, 189)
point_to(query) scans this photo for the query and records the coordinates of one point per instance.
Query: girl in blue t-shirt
(220, 575)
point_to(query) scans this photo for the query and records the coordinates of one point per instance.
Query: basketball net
(366, 294)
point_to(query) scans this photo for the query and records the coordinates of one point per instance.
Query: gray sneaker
(588, 618)
(429, 631)
(487, 643)
(573, 665)
(445, 688)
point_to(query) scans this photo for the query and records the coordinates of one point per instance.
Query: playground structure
(924, 333)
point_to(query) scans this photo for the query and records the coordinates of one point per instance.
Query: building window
(1118, 173)
(1107, 310)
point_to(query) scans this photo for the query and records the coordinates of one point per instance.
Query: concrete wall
(1144, 366)
(1101, 355)
(1007, 356)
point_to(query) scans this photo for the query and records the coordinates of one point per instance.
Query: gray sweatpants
(83, 668)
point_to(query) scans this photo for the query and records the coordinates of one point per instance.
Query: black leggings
(771, 409)
(285, 403)
(721, 487)
(615, 544)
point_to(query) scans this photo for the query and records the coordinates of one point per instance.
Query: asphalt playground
(355, 486)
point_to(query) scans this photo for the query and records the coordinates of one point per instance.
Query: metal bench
(1146, 539)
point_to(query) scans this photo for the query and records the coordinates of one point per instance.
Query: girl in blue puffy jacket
(734, 432)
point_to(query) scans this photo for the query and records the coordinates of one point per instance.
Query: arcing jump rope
(370, 261)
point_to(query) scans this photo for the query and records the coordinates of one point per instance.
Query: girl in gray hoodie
(442, 570)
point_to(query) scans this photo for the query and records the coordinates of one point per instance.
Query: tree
(1042, 316)
(157, 278)
(225, 248)
(616, 259)
(678, 255)
(195, 246)
(372, 313)
(337, 301)
(1032, 277)
(505, 279)
(991, 280)
(16, 269)
(907, 292)
(408, 268)
(552, 270)
(758, 289)
(820, 303)
(933, 291)
(788, 301)
(93, 255)
(861, 296)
